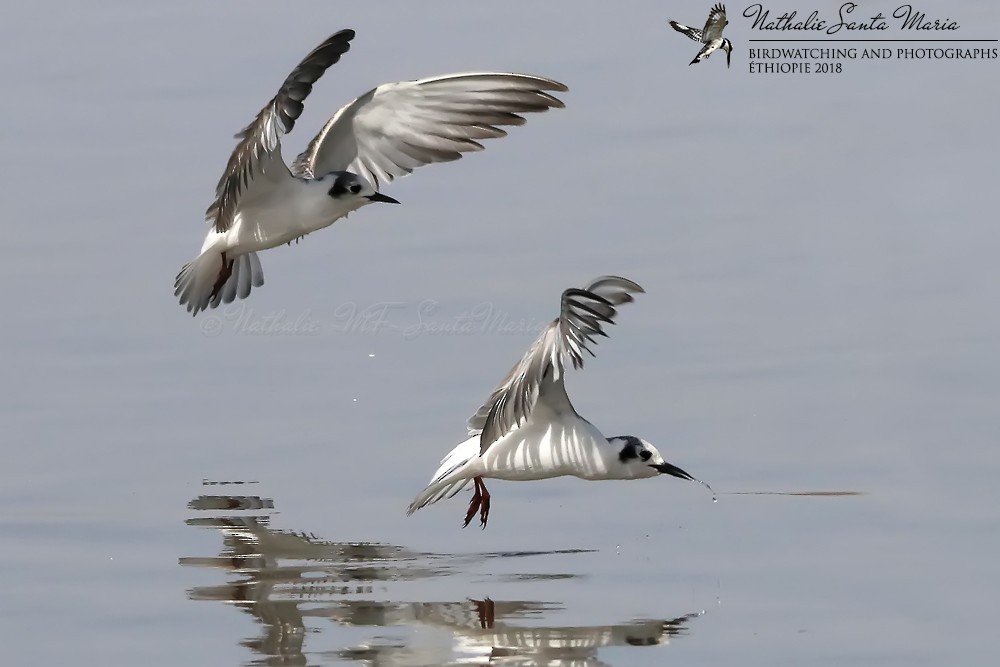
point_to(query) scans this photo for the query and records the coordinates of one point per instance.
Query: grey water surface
(820, 259)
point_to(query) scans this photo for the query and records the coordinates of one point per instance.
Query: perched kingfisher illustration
(710, 36)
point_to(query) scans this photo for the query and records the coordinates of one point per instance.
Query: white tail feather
(196, 282)
(247, 273)
(454, 473)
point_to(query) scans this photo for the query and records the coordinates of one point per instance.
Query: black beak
(729, 55)
(668, 469)
(379, 197)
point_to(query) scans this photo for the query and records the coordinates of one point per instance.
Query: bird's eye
(356, 188)
(645, 455)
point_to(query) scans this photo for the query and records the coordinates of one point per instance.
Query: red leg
(484, 504)
(474, 504)
(487, 613)
(227, 270)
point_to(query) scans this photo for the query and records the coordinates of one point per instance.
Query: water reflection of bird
(528, 429)
(286, 580)
(480, 639)
(275, 572)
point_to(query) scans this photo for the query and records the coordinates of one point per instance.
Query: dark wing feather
(715, 23)
(583, 312)
(259, 150)
(693, 33)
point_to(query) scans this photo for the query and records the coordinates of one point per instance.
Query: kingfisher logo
(710, 36)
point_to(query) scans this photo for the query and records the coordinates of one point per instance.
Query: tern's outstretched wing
(258, 153)
(395, 128)
(582, 314)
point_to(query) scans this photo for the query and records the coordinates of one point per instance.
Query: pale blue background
(820, 258)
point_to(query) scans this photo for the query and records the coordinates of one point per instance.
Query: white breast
(285, 213)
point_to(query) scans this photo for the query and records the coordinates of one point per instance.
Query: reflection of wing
(693, 33)
(582, 314)
(293, 566)
(481, 629)
(562, 644)
(715, 23)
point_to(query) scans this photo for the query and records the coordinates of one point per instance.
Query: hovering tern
(384, 134)
(710, 36)
(528, 429)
